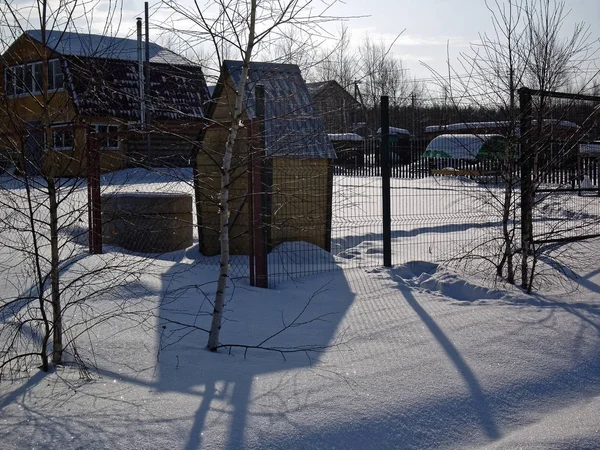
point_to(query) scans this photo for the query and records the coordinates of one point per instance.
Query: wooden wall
(301, 201)
(299, 197)
(208, 163)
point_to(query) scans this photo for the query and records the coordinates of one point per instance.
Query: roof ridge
(77, 43)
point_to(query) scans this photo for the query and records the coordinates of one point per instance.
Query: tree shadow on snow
(222, 383)
(486, 412)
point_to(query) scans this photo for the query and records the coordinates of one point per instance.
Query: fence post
(526, 184)
(251, 202)
(385, 181)
(259, 194)
(94, 198)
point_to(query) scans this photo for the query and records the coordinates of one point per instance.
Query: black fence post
(526, 184)
(385, 181)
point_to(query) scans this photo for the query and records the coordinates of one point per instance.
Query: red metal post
(251, 256)
(259, 248)
(260, 190)
(94, 197)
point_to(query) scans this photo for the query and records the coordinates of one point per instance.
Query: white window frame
(62, 129)
(57, 76)
(24, 84)
(104, 142)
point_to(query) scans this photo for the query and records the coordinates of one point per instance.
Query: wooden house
(339, 111)
(294, 159)
(57, 88)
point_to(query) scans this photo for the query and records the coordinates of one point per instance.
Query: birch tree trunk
(213, 337)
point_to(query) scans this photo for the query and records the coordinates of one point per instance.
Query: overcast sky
(431, 26)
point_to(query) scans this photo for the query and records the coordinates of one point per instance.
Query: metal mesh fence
(448, 176)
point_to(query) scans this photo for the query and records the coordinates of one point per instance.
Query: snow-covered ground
(420, 355)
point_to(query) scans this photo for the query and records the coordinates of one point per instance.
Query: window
(9, 81)
(29, 78)
(38, 77)
(62, 137)
(108, 136)
(20, 80)
(55, 75)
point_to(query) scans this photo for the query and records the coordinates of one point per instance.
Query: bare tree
(498, 64)
(382, 73)
(50, 301)
(25, 81)
(554, 58)
(525, 49)
(339, 63)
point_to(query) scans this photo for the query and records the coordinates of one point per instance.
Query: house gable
(20, 108)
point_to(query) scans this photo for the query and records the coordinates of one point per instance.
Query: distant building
(339, 111)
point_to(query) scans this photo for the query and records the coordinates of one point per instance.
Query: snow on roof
(593, 148)
(434, 128)
(345, 137)
(476, 125)
(495, 124)
(463, 146)
(395, 130)
(465, 126)
(94, 45)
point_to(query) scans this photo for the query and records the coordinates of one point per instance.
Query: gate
(559, 145)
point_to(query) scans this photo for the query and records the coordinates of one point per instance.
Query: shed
(296, 166)
(400, 145)
(590, 149)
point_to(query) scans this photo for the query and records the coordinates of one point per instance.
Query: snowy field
(421, 355)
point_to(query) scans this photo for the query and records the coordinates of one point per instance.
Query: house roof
(591, 148)
(109, 87)
(101, 74)
(319, 86)
(292, 126)
(98, 46)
